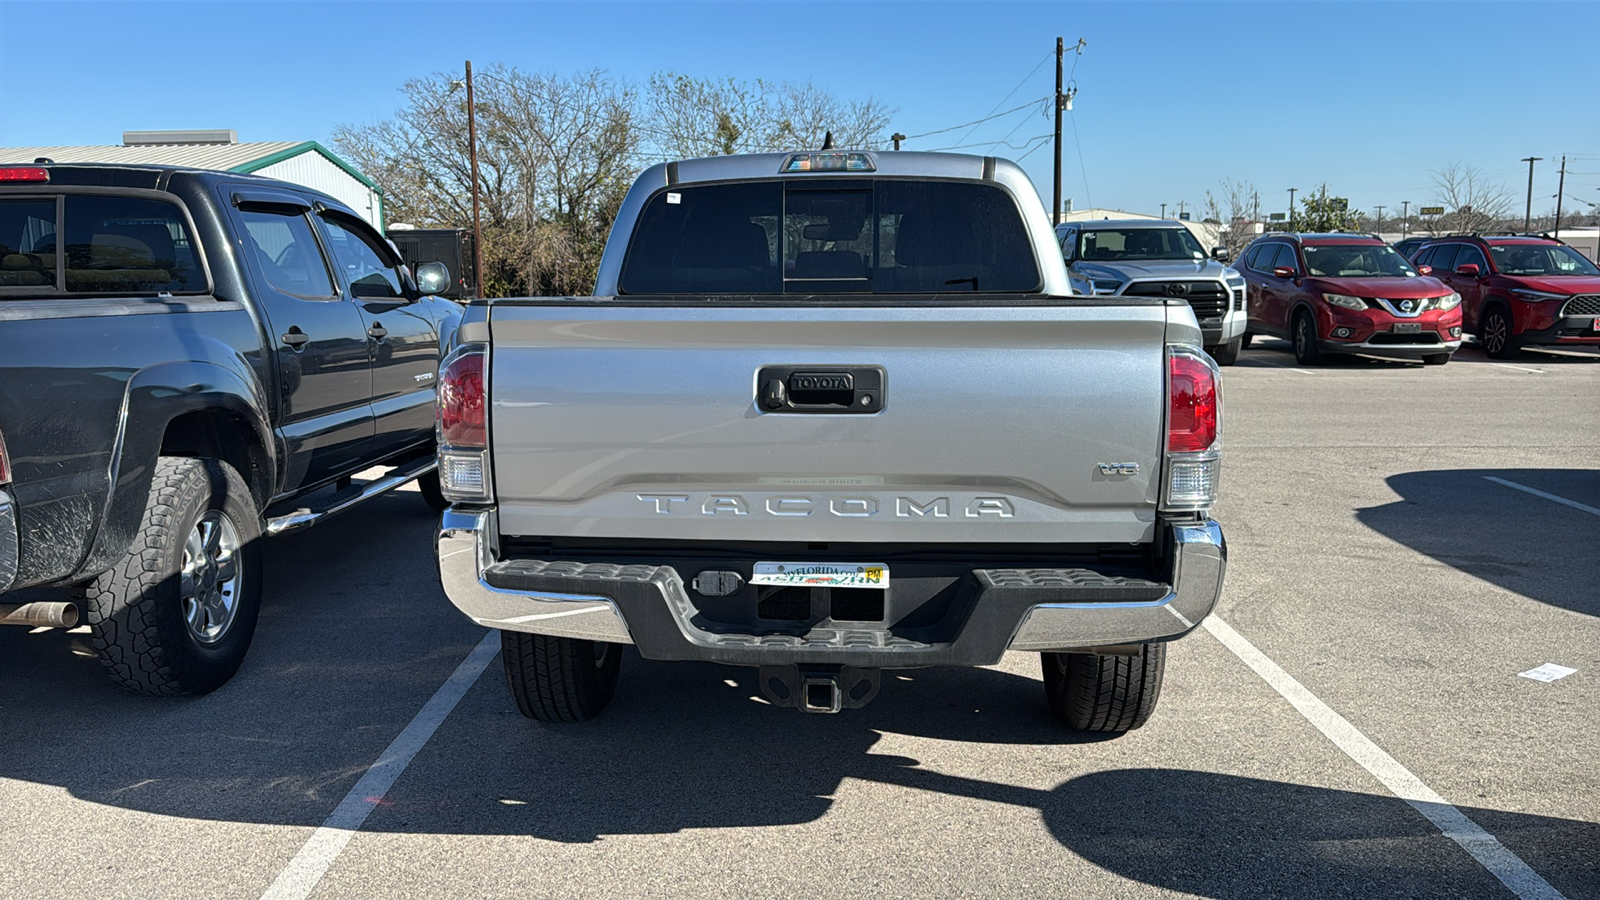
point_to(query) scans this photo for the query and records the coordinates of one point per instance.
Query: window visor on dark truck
(867, 236)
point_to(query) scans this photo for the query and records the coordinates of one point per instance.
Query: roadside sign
(1278, 217)
(1430, 210)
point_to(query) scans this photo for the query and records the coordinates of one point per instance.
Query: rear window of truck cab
(877, 236)
(95, 244)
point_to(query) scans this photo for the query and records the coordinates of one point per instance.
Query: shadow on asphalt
(1518, 541)
(682, 749)
(355, 636)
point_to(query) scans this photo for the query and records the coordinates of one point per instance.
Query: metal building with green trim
(300, 162)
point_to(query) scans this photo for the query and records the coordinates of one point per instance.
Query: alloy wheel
(210, 580)
(1494, 333)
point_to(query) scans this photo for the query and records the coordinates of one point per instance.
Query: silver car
(1159, 258)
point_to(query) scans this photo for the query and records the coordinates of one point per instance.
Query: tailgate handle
(809, 389)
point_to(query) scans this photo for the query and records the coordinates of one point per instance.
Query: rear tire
(1494, 333)
(1244, 341)
(1116, 694)
(177, 614)
(1304, 336)
(1435, 359)
(1226, 354)
(432, 495)
(559, 679)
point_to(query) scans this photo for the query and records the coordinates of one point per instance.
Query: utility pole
(897, 137)
(1405, 219)
(1561, 186)
(1291, 207)
(472, 141)
(1163, 210)
(1379, 227)
(1055, 207)
(1527, 215)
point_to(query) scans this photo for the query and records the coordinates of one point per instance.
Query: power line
(1081, 170)
(1020, 122)
(976, 122)
(1006, 97)
(1020, 146)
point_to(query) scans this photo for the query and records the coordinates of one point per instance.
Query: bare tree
(1235, 214)
(555, 156)
(1471, 201)
(707, 116)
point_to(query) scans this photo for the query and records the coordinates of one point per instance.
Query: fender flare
(153, 399)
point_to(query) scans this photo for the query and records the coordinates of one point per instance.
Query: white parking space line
(1538, 493)
(300, 877)
(1523, 368)
(1515, 874)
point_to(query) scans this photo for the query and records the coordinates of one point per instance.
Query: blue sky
(1172, 97)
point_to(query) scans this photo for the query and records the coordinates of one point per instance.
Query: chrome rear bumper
(646, 605)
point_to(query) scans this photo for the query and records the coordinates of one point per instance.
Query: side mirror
(1283, 272)
(1425, 270)
(1220, 253)
(1468, 269)
(433, 278)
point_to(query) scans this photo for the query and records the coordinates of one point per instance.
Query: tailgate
(613, 421)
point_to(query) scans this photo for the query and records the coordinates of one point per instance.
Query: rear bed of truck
(1006, 480)
(831, 413)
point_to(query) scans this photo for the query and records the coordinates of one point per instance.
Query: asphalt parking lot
(1375, 564)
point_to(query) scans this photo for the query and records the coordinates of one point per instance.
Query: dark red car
(1347, 293)
(1519, 290)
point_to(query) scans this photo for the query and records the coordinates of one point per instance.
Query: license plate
(811, 574)
(1407, 328)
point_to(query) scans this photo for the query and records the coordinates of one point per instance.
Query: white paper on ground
(1547, 672)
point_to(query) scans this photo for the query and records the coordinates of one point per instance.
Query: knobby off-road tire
(1303, 334)
(1114, 694)
(432, 495)
(176, 615)
(1228, 353)
(559, 679)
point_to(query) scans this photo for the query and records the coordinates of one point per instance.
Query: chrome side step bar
(305, 517)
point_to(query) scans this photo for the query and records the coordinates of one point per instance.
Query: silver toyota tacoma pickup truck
(831, 413)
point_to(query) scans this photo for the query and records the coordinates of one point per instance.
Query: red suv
(1347, 293)
(1518, 290)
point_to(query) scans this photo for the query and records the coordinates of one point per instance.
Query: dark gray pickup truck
(185, 356)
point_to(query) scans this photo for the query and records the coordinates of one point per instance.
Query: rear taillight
(1192, 393)
(1194, 430)
(463, 424)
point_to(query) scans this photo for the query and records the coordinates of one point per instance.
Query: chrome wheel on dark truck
(557, 679)
(1103, 692)
(176, 616)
